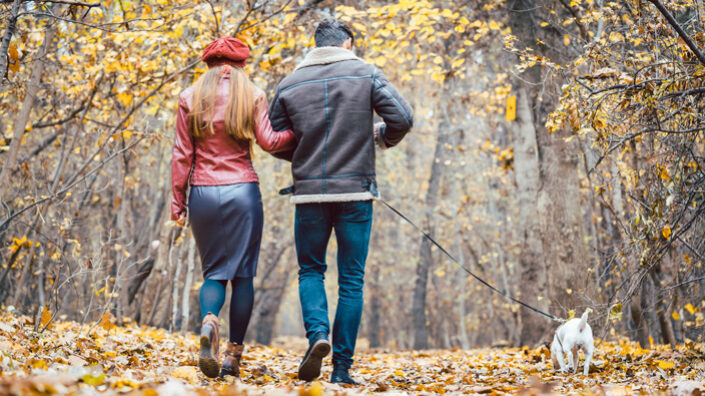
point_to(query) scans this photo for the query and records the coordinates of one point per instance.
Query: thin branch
(308, 6)
(215, 17)
(694, 91)
(576, 17)
(9, 31)
(70, 185)
(686, 283)
(277, 12)
(74, 3)
(68, 118)
(101, 26)
(672, 21)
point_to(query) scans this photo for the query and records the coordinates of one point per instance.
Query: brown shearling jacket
(329, 102)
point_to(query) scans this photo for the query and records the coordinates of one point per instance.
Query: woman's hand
(181, 222)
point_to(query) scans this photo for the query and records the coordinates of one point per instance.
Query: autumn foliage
(558, 152)
(102, 357)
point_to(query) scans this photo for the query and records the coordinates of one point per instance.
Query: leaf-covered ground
(69, 359)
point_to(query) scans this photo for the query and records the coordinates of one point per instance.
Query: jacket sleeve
(267, 138)
(280, 121)
(398, 116)
(181, 162)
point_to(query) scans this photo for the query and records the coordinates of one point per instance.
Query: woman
(219, 118)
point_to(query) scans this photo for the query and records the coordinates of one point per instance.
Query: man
(328, 102)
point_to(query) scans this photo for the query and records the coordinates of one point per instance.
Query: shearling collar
(325, 55)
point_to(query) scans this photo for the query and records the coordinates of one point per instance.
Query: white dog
(571, 336)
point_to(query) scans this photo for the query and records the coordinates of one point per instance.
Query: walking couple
(321, 120)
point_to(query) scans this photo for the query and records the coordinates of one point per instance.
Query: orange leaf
(46, 317)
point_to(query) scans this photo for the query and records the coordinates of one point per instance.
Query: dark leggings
(212, 298)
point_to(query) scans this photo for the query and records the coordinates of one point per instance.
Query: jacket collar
(326, 55)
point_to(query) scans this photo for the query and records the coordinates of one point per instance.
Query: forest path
(148, 361)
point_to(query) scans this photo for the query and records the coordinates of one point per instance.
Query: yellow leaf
(666, 365)
(544, 24)
(188, 373)
(106, 321)
(359, 27)
(124, 98)
(121, 383)
(676, 316)
(46, 317)
(126, 134)
(457, 63)
(38, 364)
(14, 58)
(571, 314)
(666, 231)
(690, 308)
(399, 373)
(566, 40)
(615, 312)
(511, 108)
(614, 36)
(316, 389)
(14, 54)
(663, 172)
(438, 77)
(93, 381)
(494, 25)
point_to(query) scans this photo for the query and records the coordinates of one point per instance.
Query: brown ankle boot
(208, 357)
(231, 363)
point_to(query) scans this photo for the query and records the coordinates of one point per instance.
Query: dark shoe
(341, 376)
(210, 338)
(231, 363)
(310, 367)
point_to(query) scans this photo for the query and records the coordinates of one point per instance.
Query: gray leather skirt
(227, 225)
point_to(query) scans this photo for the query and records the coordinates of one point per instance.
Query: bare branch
(73, 3)
(672, 21)
(9, 31)
(576, 17)
(308, 6)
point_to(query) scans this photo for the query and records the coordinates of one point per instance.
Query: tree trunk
(418, 305)
(186, 295)
(559, 199)
(175, 292)
(532, 271)
(27, 105)
(374, 325)
(269, 295)
(6, 38)
(638, 301)
(562, 232)
(667, 335)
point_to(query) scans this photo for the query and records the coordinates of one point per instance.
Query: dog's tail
(583, 321)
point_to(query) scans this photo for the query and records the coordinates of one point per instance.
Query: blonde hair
(239, 113)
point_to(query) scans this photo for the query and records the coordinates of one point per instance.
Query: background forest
(558, 152)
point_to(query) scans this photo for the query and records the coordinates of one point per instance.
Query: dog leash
(372, 188)
(484, 282)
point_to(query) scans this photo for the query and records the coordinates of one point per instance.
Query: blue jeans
(314, 222)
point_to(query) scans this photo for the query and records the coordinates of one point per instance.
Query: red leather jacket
(218, 159)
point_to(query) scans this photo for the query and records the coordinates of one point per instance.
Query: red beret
(226, 50)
